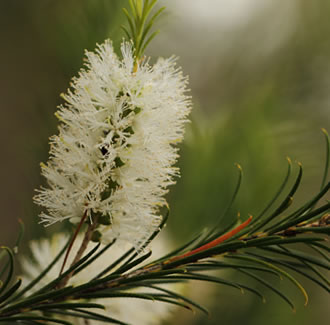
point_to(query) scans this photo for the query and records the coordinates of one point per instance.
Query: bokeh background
(260, 80)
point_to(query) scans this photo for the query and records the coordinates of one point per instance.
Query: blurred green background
(260, 80)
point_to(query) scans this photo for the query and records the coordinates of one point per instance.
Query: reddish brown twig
(213, 243)
(83, 246)
(74, 236)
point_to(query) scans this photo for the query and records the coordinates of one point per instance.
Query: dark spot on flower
(104, 150)
(120, 94)
(142, 179)
(137, 110)
(111, 187)
(104, 220)
(129, 130)
(126, 112)
(80, 145)
(119, 162)
(115, 138)
(112, 184)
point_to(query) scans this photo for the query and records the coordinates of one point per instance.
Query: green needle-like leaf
(193, 243)
(42, 274)
(271, 287)
(149, 240)
(88, 315)
(297, 269)
(147, 42)
(180, 297)
(327, 158)
(283, 206)
(207, 278)
(68, 305)
(299, 215)
(93, 258)
(131, 265)
(11, 291)
(10, 266)
(322, 247)
(130, 22)
(125, 31)
(30, 301)
(318, 273)
(145, 296)
(214, 232)
(151, 23)
(114, 264)
(299, 255)
(256, 221)
(277, 269)
(140, 24)
(278, 193)
(318, 250)
(34, 317)
(152, 275)
(221, 265)
(20, 235)
(56, 281)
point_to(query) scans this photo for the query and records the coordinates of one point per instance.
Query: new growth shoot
(141, 21)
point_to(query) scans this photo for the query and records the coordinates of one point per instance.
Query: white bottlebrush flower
(129, 310)
(115, 151)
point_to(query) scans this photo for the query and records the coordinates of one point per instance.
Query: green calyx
(96, 236)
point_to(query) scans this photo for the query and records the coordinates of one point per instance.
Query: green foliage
(274, 250)
(272, 243)
(140, 24)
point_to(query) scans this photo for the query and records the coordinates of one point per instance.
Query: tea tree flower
(114, 154)
(141, 312)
